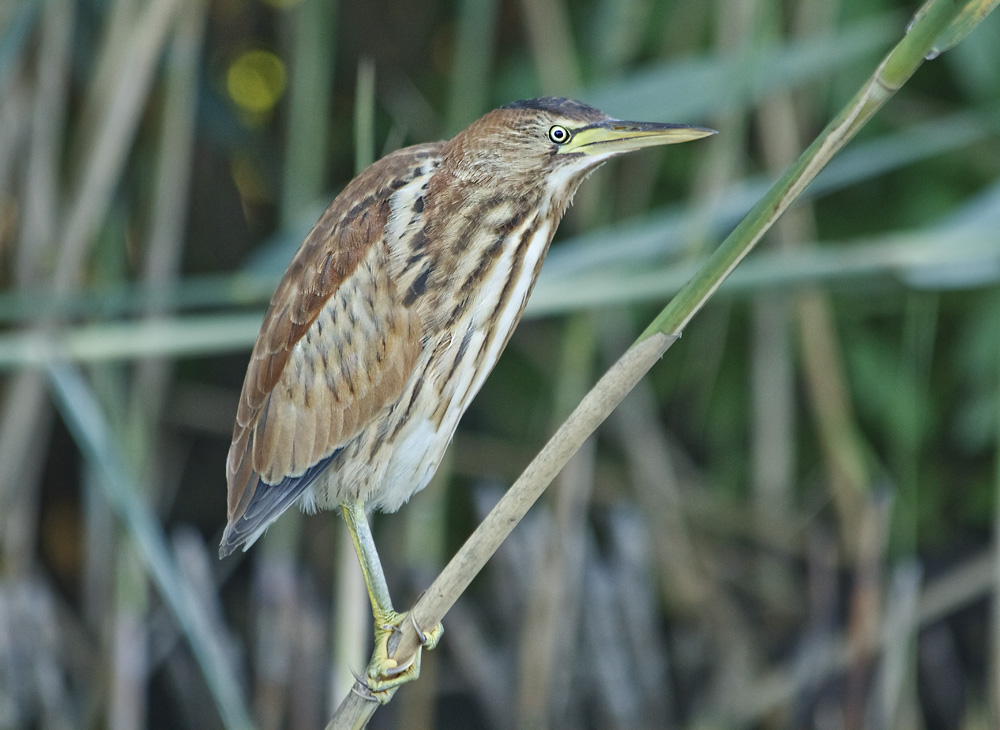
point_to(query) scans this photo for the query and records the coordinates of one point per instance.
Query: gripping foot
(385, 674)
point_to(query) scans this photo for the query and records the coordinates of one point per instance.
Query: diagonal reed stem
(894, 70)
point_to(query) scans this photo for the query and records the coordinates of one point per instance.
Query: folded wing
(335, 348)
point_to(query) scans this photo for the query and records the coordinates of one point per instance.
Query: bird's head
(556, 140)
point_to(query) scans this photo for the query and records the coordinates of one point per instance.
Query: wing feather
(333, 350)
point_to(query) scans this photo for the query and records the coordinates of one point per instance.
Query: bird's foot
(386, 674)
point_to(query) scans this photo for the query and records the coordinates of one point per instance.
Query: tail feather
(266, 505)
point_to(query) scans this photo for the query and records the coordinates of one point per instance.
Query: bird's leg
(384, 672)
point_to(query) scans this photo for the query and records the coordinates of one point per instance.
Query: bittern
(392, 314)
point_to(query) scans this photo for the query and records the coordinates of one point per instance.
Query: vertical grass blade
(470, 81)
(314, 33)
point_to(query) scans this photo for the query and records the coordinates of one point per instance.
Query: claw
(364, 692)
(399, 668)
(420, 634)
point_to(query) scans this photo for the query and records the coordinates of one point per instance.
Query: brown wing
(334, 348)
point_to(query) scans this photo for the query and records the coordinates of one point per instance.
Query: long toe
(428, 639)
(386, 674)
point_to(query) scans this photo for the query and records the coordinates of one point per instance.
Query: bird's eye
(559, 135)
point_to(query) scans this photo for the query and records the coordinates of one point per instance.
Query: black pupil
(559, 134)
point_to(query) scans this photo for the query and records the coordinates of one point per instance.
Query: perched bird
(392, 314)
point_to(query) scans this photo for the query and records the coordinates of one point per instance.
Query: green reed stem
(890, 75)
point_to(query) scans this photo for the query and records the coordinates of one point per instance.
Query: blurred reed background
(791, 524)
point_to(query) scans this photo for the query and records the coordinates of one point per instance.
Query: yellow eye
(559, 135)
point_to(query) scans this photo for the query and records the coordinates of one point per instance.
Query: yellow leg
(384, 673)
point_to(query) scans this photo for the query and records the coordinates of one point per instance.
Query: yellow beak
(616, 136)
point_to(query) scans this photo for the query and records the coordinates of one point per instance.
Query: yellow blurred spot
(255, 81)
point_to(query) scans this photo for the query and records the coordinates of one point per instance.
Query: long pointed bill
(614, 136)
